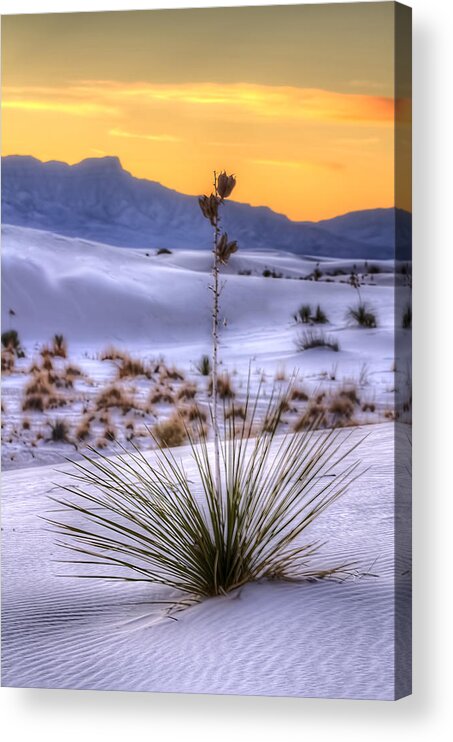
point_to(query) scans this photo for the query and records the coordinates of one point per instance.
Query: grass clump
(11, 342)
(187, 391)
(204, 366)
(59, 431)
(319, 317)
(316, 339)
(8, 360)
(128, 367)
(406, 322)
(170, 433)
(225, 388)
(303, 314)
(114, 397)
(112, 354)
(59, 346)
(143, 520)
(362, 315)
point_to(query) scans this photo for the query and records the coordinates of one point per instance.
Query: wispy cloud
(297, 164)
(149, 137)
(81, 108)
(244, 99)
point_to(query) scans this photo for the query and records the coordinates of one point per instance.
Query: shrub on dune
(59, 431)
(11, 341)
(8, 360)
(170, 433)
(59, 346)
(406, 322)
(161, 395)
(363, 315)
(225, 388)
(112, 354)
(320, 317)
(303, 314)
(316, 339)
(114, 396)
(187, 391)
(133, 367)
(204, 366)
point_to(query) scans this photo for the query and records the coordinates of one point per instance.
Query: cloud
(150, 137)
(238, 99)
(81, 108)
(298, 164)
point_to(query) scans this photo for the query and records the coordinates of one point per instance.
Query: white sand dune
(326, 639)
(159, 306)
(93, 292)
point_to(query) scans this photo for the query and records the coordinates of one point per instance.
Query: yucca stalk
(222, 249)
(215, 340)
(142, 520)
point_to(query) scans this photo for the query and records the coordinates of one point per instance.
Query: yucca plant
(240, 518)
(148, 521)
(363, 315)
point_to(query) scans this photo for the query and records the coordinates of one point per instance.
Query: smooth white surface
(331, 640)
(51, 715)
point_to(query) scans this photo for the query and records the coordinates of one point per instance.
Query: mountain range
(98, 200)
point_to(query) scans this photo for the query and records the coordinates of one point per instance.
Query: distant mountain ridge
(98, 200)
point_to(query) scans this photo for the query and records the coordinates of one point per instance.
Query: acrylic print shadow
(206, 351)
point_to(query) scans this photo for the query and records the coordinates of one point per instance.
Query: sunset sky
(297, 101)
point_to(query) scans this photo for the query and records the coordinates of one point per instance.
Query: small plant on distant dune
(112, 354)
(319, 317)
(204, 366)
(406, 322)
(83, 429)
(170, 433)
(128, 366)
(225, 389)
(187, 391)
(8, 360)
(355, 282)
(11, 341)
(363, 315)
(163, 251)
(115, 397)
(317, 273)
(303, 314)
(59, 346)
(59, 431)
(316, 339)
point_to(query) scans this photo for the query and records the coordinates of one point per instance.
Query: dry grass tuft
(225, 388)
(161, 395)
(133, 367)
(299, 395)
(170, 433)
(115, 397)
(59, 346)
(112, 354)
(8, 360)
(187, 391)
(235, 411)
(59, 431)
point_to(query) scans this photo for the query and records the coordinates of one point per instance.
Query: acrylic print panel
(206, 350)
